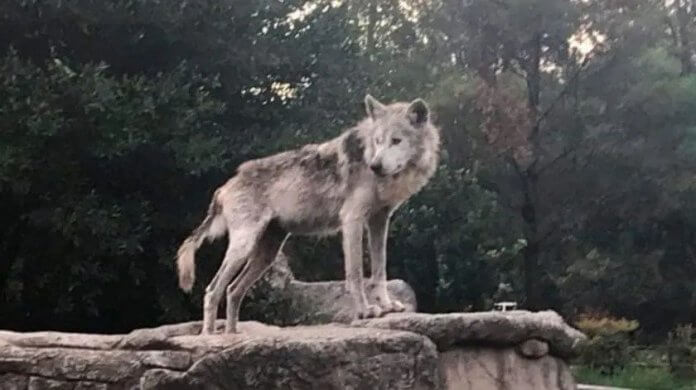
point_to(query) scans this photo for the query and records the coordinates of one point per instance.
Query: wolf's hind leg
(259, 262)
(378, 226)
(242, 240)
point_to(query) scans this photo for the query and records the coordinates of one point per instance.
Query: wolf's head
(397, 134)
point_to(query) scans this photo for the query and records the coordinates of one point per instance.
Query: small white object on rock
(505, 306)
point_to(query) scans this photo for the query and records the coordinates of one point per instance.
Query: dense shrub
(681, 351)
(92, 167)
(607, 348)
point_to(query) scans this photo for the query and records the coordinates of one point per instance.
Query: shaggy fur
(353, 181)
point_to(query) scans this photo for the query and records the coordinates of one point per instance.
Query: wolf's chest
(396, 190)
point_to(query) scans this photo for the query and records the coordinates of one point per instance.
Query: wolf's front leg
(378, 226)
(352, 252)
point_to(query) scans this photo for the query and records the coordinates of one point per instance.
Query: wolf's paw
(397, 306)
(232, 330)
(370, 311)
(392, 306)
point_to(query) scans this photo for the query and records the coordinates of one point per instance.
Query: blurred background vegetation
(568, 172)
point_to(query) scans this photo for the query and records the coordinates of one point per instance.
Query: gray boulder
(326, 302)
(468, 351)
(259, 357)
(311, 303)
(318, 357)
(495, 328)
(517, 350)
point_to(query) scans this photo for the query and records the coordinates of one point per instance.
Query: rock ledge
(519, 350)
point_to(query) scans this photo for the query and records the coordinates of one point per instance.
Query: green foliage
(633, 378)
(607, 347)
(440, 241)
(606, 353)
(82, 171)
(681, 351)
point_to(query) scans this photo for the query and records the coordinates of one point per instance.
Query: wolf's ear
(373, 107)
(418, 112)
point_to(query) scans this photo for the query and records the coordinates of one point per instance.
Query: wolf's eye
(396, 141)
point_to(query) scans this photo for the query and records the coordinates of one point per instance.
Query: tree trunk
(532, 250)
(9, 255)
(530, 181)
(534, 78)
(687, 66)
(371, 23)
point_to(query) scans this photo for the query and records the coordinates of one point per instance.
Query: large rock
(260, 357)
(326, 302)
(472, 351)
(493, 350)
(494, 328)
(319, 302)
(321, 357)
(485, 368)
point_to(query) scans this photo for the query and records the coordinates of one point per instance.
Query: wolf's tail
(213, 226)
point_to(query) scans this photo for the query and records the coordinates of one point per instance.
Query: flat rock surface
(59, 339)
(496, 328)
(400, 351)
(321, 357)
(260, 356)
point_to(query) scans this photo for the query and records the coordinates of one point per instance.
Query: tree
(635, 243)
(86, 160)
(501, 43)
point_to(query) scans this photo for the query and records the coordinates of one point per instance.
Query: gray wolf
(353, 181)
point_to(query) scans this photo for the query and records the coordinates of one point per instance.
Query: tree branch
(567, 86)
(566, 152)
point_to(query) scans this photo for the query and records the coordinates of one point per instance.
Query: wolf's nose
(376, 168)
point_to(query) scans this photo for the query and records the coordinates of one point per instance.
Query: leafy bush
(681, 352)
(441, 243)
(607, 348)
(594, 325)
(92, 168)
